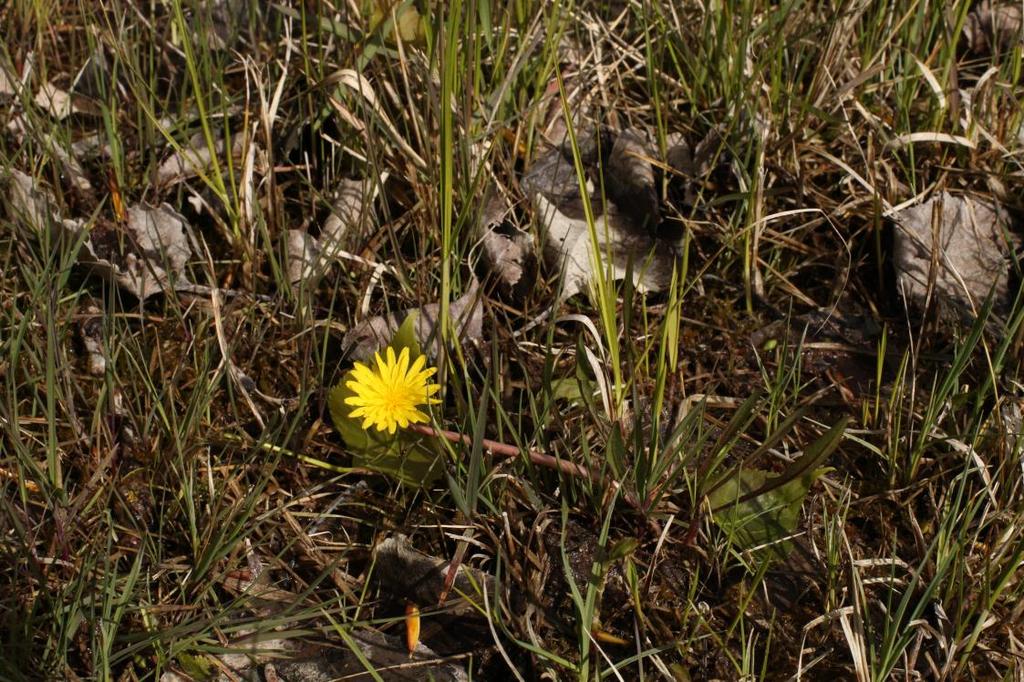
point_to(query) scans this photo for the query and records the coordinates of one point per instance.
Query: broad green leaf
(765, 519)
(755, 508)
(351, 429)
(568, 389)
(408, 459)
(408, 23)
(197, 666)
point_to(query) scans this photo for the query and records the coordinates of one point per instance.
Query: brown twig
(505, 450)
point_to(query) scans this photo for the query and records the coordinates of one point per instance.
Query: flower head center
(390, 394)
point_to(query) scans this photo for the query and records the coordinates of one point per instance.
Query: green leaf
(197, 666)
(622, 549)
(409, 460)
(615, 452)
(404, 456)
(569, 389)
(765, 519)
(755, 508)
(405, 337)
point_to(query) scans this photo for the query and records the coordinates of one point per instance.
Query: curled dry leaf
(406, 572)
(163, 251)
(507, 252)
(55, 101)
(993, 28)
(968, 240)
(195, 158)
(350, 220)
(629, 179)
(553, 188)
(692, 166)
(351, 215)
(370, 335)
(154, 255)
(303, 257)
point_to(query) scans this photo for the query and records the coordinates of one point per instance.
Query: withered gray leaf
(162, 251)
(350, 219)
(370, 335)
(156, 247)
(552, 185)
(7, 81)
(568, 240)
(21, 126)
(691, 166)
(54, 101)
(990, 28)
(30, 203)
(969, 241)
(404, 571)
(386, 653)
(298, 661)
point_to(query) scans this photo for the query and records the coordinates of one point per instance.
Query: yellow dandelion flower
(390, 395)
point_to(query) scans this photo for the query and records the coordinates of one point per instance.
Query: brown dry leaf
(72, 169)
(370, 335)
(164, 250)
(993, 28)
(507, 252)
(692, 166)
(33, 204)
(156, 249)
(969, 241)
(308, 662)
(553, 188)
(349, 222)
(629, 179)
